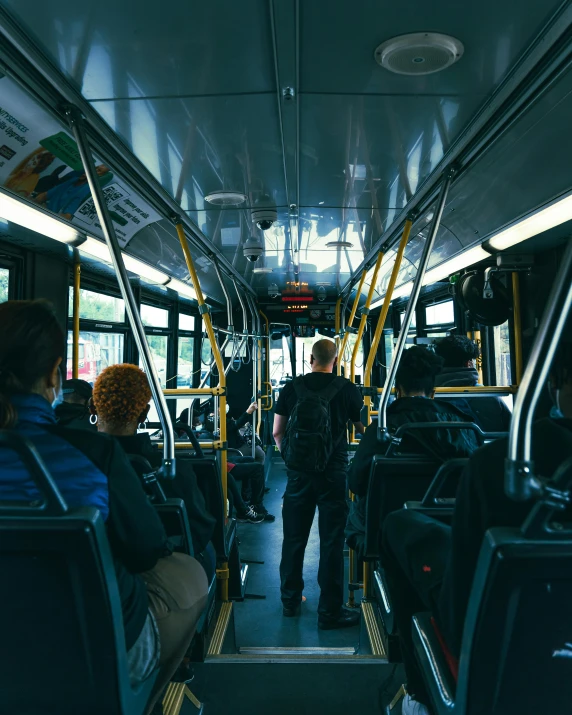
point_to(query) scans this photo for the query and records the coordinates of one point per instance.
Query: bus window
(280, 363)
(96, 352)
(185, 362)
(502, 354)
(440, 314)
(98, 306)
(158, 347)
(4, 283)
(186, 322)
(154, 317)
(412, 325)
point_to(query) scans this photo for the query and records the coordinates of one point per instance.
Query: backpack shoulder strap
(336, 386)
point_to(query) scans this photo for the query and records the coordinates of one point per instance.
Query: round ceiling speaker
(419, 53)
(225, 198)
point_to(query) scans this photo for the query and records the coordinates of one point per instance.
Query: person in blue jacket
(162, 594)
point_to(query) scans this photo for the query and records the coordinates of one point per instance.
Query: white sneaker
(412, 707)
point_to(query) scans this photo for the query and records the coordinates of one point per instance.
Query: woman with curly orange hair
(177, 586)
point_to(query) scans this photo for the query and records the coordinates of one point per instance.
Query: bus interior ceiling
(269, 130)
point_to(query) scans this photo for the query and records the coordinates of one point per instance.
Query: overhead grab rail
(348, 327)
(415, 291)
(77, 125)
(521, 481)
(383, 315)
(364, 315)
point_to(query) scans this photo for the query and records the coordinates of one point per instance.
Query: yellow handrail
(351, 320)
(337, 323)
(221, 376)
(383, 315)
(516, 317)
(76, 309)
(365, 313)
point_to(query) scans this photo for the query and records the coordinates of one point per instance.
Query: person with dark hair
(431, 566)
(317, 407)
(92, 470)
(459, 354)
(415, 387)
(121, 402)
(73, 412)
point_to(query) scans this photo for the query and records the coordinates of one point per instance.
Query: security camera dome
(264, 213)
(252, 250)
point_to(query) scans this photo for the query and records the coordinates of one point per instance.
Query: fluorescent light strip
(543, 220)
(99, 250)
(31, 217)
(183, 288)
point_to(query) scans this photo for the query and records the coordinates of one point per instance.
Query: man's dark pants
(414, 554)
(305, 492)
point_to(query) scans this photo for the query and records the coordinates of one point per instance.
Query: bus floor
(260, 675)
(259, 622)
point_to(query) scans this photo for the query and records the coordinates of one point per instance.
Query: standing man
(310, 430)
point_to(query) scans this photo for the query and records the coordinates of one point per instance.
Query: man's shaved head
(324, 352)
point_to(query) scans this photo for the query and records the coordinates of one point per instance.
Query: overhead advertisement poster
(40, 162)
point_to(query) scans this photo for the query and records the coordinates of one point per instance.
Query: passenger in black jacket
(459, 353)
(177, 585)
(431, 566)
(136, 392)
(73, 412)
(415, 385)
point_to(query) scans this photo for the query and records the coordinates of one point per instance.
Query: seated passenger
(73, 412)
(431, 566)
(415, 387)
(92, 470)
(251, 474)
(233, 430)
(121, 398)
(459, 353)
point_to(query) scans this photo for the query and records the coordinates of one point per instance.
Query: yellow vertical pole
(76, 308)
(517, 322)
(259, 388)
(383, 315)
(203, 310)
(350, 321)
(364, 314)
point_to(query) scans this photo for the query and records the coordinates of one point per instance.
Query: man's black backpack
(308, 442)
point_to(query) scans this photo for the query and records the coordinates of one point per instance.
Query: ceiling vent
(339, 244)
(225, 198)
(419, 53)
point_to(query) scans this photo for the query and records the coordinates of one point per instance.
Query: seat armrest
(173, 515)
(433, 664)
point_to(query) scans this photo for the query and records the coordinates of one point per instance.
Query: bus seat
(392, 482)
(62, 648)
(445, 482)
(516, 654)
(208, 478)
(172, 511)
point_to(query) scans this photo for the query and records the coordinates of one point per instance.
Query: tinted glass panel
(185, 362)
(155, 317)
(96, 352)
(186, 322)
(4, 282)
(98, 306)
(502, 354)
(440, 314)
(158, 347)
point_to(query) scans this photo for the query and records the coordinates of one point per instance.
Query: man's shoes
(346, 619)
(261, 509)
(291, 611)
(250, 516)
(412, 707)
